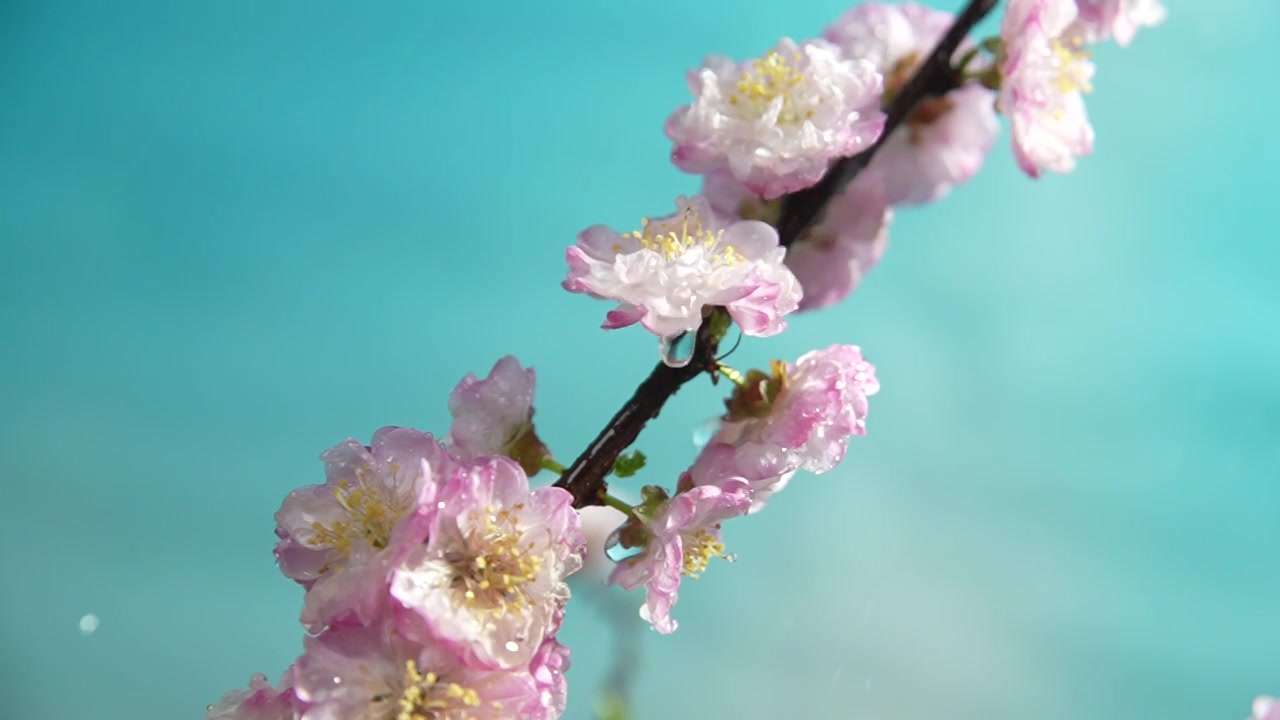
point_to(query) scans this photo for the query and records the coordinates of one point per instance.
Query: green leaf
(629, 464)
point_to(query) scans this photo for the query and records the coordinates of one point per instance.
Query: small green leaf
(629, 464)
(720, 323)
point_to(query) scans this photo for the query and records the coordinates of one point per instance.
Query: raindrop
(703, 433)
(89, 624)
(677, 350)
(614, 550)
(512, 646)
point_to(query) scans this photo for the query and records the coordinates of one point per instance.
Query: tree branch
(585, 478)
(934, 77)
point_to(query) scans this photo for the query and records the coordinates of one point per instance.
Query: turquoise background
(238, 232)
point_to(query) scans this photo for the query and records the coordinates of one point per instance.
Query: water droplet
(677, 350)
(703, 433)
(614, 550)
(440, 505)
(512, 646)
(89, 624)
(337, 680)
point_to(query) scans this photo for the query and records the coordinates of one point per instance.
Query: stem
(734, 376)
(617, 504)
(549, 463)
(935, 76)
(585, 478)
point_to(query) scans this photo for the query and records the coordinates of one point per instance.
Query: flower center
(925, 113)
(771, 77)
(1070, 60)
(672, 238)
(492, 574)
(898, 75)
(755, 395)
(699, 547)
(427, 697)
(372, 511)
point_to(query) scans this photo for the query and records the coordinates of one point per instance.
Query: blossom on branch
(665, 274)
(777, 122)
(1044, 72)
(945, 140)
(490, 578)
(494, 416)
(677, 537)
(1120, 20)
(799, 416)
(831, 258)
(339, 539)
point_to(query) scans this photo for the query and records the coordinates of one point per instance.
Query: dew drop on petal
(705, 431)
(614, 550)
(512, 646)
(677, 350)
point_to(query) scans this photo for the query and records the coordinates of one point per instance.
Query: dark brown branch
(585, 478)
(934, 77)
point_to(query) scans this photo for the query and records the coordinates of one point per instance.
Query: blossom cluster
(759, 130)
(435, 575)
(798, 416)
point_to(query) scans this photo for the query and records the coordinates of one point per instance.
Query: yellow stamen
(372, 510)
(1067, 57)
(427, 696)
(770, 77)
(699, 548)
(495, 567)
(674, 237)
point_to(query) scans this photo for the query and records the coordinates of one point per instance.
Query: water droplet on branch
(677, 350)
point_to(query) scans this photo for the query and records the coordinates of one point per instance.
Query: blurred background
(235, 233)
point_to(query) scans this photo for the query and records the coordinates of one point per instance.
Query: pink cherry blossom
(945, 140)
(547, 668)
(830, 259)
(799, 417)
(1044, 73)
(1119, 19)
(679, 539)
(260, 702)
(719, 461)
(339, 539)
(490, 578)
(664, 275)
(1265, 708)
(777, 122)
(373, 671)
(494, 416)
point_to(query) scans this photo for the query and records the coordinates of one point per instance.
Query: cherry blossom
(665, 275)
(777, 122)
